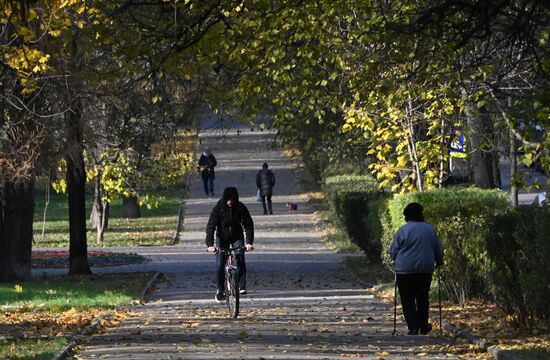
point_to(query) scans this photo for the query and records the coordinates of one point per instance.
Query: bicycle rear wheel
(232, 293)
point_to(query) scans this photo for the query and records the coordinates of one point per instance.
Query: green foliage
(518, 250)
(344, 167)
(389, 80)
(119, 169)
(461, 217)
(353, 180)
(406, 147)
(350, 199)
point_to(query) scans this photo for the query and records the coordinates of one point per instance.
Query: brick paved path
(302, 302)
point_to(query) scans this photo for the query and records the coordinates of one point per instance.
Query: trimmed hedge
(519, 250)
(461, 217)
(490, 248)
(351, 199)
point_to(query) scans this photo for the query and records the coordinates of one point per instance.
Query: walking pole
(394, 298)
(395, 304)
(439, 291)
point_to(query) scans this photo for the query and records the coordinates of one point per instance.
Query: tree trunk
(481, 160)
(495, 165)
(76, 181)
(16, 231)
(105, 218)
(78, 247)
(130, 207)
(513, 171)
(411, 145)
(7, 253)
(76, 173)
(443, 159)
(97, 208)
(99, 217)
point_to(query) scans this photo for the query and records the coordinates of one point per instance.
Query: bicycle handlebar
(229, 251)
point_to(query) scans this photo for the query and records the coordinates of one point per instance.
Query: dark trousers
(221, 259)
(414, 292)
(268, 197)
(208, 184)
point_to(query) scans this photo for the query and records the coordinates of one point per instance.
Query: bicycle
(231, 283)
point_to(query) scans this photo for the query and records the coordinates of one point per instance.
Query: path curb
(493, 350)
(61, 354)
(149, 285)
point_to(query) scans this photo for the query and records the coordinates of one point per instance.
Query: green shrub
(351, 199)
(365, 182)
(336, 169)
(460, 216)
(519, 249)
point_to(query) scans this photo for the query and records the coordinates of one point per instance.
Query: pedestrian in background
(265, 181)
(416, 250)
(207, 163)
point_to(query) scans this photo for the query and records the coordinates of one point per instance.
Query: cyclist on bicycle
(228, 219)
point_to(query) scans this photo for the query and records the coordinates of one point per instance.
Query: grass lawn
(37, 315)
(155, 227)
(35, 349)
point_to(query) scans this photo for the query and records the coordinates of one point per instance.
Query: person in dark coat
(416, 251)
(227, 220)
(265, 181)
(207, 163)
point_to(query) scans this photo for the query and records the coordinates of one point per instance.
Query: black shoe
(265, 212)
(212, 193)
(413, 332)
(270, 212)
(219, 296)
(427, 330)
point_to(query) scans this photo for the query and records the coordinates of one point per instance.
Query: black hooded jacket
(228, 223)
(265, 181)
(207, 163)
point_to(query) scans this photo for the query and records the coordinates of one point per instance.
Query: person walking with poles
(416, 250)
(207, 163)
(265, 181)
(227, 220)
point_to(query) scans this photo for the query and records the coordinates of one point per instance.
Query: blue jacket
(416, 248)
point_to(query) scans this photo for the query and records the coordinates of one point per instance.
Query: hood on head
(230, 193)
(265, 166)
(413, 212)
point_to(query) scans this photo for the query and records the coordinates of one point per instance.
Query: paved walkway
(302, 302)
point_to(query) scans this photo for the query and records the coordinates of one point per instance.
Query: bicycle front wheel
(232, 294)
